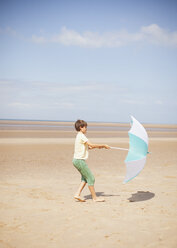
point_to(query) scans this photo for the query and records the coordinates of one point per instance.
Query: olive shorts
(86, 174)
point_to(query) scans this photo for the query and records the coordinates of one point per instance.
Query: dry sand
(38, 180)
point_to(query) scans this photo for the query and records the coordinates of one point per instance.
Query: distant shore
(48, 129)
(92, 123)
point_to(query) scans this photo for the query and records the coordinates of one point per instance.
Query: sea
(69, 126)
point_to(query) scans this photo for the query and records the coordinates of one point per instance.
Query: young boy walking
(79, 161)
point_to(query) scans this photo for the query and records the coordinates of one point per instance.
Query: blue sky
(94, 60)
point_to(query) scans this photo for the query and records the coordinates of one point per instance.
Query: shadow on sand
(86, 197)
(141, 196)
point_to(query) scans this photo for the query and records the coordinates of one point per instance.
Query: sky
(97, 60)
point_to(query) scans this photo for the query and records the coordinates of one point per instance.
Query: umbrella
(138, 149)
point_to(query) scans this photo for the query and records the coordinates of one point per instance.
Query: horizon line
(90, 121)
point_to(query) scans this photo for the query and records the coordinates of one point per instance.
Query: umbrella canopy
(138, 149)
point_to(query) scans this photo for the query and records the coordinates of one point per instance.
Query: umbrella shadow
(86, 197)
(141, 196)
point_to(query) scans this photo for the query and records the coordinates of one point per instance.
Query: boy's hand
(106, 147)
(90, 147)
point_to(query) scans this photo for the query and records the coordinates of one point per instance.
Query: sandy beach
(38, 181)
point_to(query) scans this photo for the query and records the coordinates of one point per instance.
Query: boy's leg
(78, 192)
(94, 197)
(92, 191)
(81, 186)
(87, 174)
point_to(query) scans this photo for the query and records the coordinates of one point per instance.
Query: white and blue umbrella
(138, 150)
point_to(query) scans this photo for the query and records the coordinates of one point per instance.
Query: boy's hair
(79, 124)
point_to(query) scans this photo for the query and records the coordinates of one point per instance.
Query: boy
(80, 155)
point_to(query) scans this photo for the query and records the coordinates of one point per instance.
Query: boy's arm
(97, 145)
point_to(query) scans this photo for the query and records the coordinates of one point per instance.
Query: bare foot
(99, 199)
(79, 198)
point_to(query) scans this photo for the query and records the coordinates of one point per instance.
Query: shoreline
(72, 140)
(16, 121)
(92, 123)
(58, 130)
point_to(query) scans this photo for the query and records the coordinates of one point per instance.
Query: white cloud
(19, 105)
(156, 35)
(151, 34)
(89, 100)
(91, 39)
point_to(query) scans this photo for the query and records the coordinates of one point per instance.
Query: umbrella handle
(119, 148)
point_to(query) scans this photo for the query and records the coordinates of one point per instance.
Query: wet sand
(38, 181)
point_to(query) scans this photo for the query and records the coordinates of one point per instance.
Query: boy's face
(83, 129)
